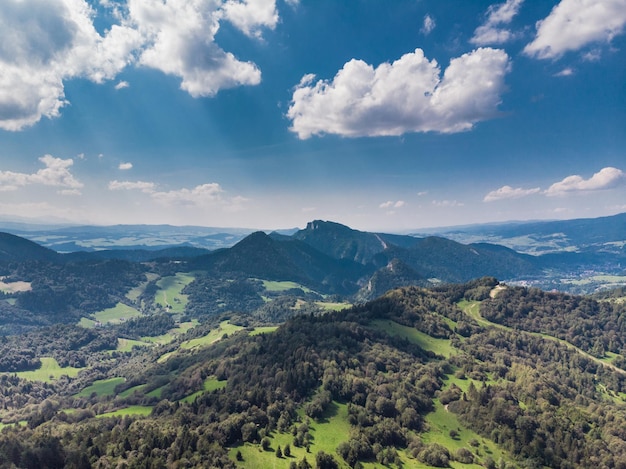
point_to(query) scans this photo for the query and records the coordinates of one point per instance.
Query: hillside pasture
(118, 314)
(170, 296)
(133, 411)
(49, 371)
(102, 387)
(441, 347)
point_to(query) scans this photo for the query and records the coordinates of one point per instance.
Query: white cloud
(566, 72)
(180, 40)
(121, 85)
(508, 192)
(56, 174)
(428, 25)
(447, 203)
(125, 166)
(146, 187)
(42, 44)
(497, 15)
(69, 192)
(573, 24)
(204, 195)
(606, 178)
(199, 195)
(407, 95)
(45, 43)
(392, 204)
(251, 15)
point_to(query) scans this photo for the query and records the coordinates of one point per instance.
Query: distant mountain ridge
(539, 237)
(332, 258)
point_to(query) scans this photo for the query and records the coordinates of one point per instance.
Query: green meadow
(169, 295)
(263, 330)
(102, 387)
(119, 313)
(441, 423)
(133, 410)
(136, 292)
(333, 306)
(126, 345)
(439, 346)
(210, 384)
(332, 429)
(49, 371)
(172, 333)
(216, 334)
(273, 286)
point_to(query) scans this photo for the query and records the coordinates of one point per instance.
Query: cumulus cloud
(180, 40)
(45, 43)
(42, 44)
(447, 203)
(497, 15)
(428, 25)
(573, 24)
(204, 195)
(147, 187)
(408, 95)
(56, 174)
(251, 15)
(121, 85)
(606, 178)
(125, 166)
(508, 192)
(566, 72)
(392, 204)
(199, 195)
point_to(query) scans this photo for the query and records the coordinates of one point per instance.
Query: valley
(325, 348)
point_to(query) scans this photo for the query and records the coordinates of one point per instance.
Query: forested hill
(15, 248)
(416, 378)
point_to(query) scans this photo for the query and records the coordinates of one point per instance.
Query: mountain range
(334, 259)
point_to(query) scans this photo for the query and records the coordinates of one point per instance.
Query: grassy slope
(439, 346)
(102, 387)
(49, 371)
(170, 294)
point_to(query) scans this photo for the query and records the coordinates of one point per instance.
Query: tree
(279, 452)
(325, 461)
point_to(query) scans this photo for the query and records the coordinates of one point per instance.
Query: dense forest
(530, 374)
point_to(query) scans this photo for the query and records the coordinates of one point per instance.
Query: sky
(381, 115)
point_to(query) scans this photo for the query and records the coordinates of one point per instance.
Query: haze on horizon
(272, 113)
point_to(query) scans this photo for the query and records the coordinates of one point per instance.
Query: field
(134, 410)
(263, 330)
(136, 292)
(210, 384)
(333, 306)
(171, 335)
(102, 387)
(431, 344)
(216, 334)
(441, 423)
(14, 287)
(332, 429)
(273, 286)
(169, 295)
(126, 345)
(49, 371)
(119, 313)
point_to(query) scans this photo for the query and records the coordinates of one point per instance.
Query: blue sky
(382, 115)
